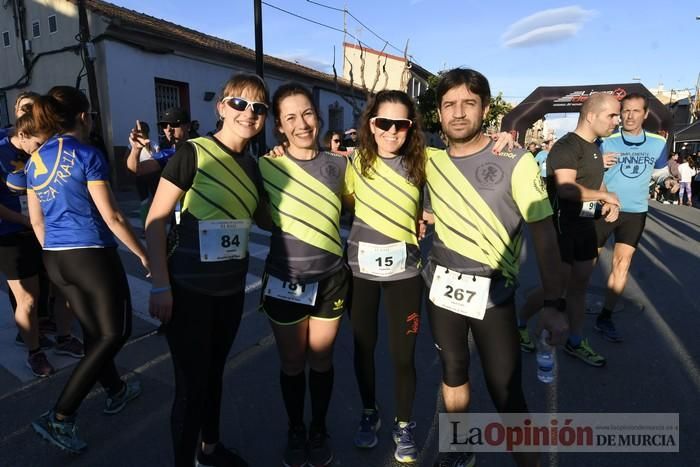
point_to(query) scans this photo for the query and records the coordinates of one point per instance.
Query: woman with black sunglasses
(199, 271)
(388, 172)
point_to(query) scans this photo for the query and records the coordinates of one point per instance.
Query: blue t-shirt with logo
(59, 173)
(638, 156)
(11, 160)
(541, 159)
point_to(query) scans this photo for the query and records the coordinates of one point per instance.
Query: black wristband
(558, 303)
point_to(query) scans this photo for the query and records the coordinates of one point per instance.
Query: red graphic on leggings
(413, 321)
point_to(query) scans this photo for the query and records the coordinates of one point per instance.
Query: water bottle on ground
(545, 359)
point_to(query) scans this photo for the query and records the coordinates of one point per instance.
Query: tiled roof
(139, 21)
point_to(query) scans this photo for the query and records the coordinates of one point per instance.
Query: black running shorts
(627, 228)
(20, 256)
(331, 301)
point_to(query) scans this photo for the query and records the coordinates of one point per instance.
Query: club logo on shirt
(634, 165)
(59, 177)
(540, 186)
(330, 171)
(489, 174)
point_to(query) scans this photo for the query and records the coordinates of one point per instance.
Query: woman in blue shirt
(75, 218)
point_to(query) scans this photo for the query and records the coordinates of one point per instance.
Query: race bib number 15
(464, 294)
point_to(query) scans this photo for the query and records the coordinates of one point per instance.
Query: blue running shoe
(130, 391)
(366, 435)
(406, 451)
(62, 434)
(607, 328)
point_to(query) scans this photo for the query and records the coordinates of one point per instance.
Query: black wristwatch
(558, 303)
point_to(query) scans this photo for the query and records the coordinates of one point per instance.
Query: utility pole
(84, 38)
(257, 7)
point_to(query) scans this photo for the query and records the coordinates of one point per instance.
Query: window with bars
(4, 115)
(36, 29)
(171, 94)
(6, 38)
(53, 27)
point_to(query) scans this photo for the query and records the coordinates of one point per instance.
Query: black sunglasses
(630, 143)
(383, 123)
(174, 126)
(336, 140)
(241, 105)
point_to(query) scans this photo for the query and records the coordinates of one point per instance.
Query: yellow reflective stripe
(529, 192)
(234, 173)
(221, 188)
(472, 219)
(387, 202)
(301, 205)
(97, 182)
(40, 167)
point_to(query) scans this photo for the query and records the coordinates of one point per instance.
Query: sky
(517, 45)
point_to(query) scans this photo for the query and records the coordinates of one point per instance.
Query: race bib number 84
(223, 240)
(464, 294)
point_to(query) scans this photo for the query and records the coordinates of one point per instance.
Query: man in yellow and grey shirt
(479, 202)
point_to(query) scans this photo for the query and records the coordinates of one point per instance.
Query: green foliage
(427, 104)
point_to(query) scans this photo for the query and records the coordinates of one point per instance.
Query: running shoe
(116, 403)
(62, 434)
(607, 328)
(456, 459)
(220, 457)
(366, 435)
(44, 342)
(526, 344)
(585, 353)
(406, 451)
(72, 347)
(295, 454)
(320, 452)
(39, 364)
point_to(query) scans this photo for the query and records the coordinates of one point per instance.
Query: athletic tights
(94, 283)
(402, 301)
(200, 335)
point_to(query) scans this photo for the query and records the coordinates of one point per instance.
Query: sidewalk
(654, 370)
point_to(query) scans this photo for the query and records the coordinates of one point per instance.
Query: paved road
(654, 370)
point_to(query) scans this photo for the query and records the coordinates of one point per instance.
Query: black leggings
(200, 336)
(402, 301)
(94, 283)
(496, 338)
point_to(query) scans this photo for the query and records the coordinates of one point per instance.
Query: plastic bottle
(545, 359)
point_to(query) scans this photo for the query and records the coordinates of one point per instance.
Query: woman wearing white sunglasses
(199, 271)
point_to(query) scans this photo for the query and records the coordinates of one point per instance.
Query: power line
(313, 21)
(344, 10)
(333, 28)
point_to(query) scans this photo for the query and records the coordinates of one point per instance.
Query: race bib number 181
(291, 292)
(464, 294)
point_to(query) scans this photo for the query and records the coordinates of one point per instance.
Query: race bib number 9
(588, 209)
(381, 260)
(223, 240)
(464, 294)
(291, 292)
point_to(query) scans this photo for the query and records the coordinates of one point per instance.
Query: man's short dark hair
(472, 79)
(636, 95)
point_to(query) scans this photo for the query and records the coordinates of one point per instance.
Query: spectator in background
(194, 129)
(673, 165)
(541, 158)
(146, 183)
(350, 139)
(687, 172)
(333, 142)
